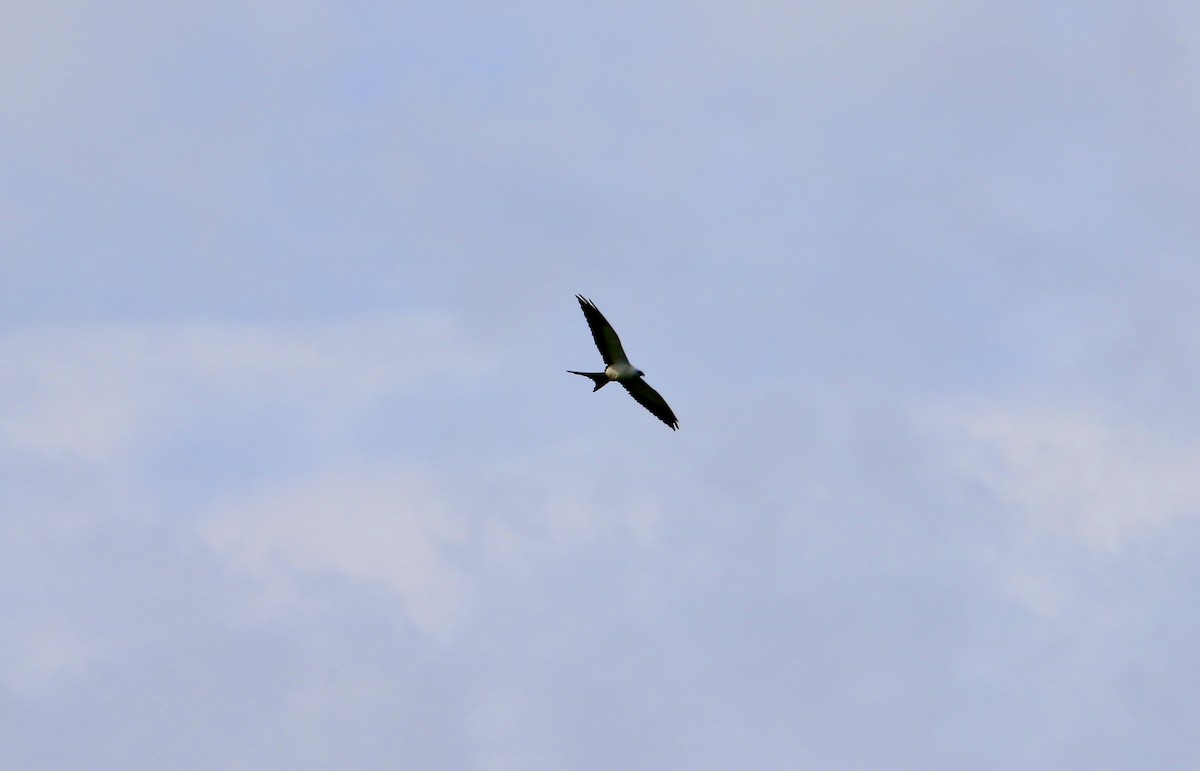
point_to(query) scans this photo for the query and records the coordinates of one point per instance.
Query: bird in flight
(618, 368)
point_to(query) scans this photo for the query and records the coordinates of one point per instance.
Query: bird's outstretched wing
(603, 333)
(650, 399)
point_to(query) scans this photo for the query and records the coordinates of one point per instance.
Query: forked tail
(599, 378)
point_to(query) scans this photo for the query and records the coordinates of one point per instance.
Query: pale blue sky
(292, 475)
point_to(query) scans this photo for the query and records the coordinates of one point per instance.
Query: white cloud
(383, 525)
(434, 540)
(1104, 480)
(96, 393)
(40, 653)
(1075, 486)
(86, 414)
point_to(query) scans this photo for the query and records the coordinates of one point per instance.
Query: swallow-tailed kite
(618, 367)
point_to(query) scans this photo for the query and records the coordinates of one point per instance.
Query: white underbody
(621, 371)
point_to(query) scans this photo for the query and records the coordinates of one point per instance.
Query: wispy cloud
(386, 526)
(290, 472)
(1102, 478)
(99, 392)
